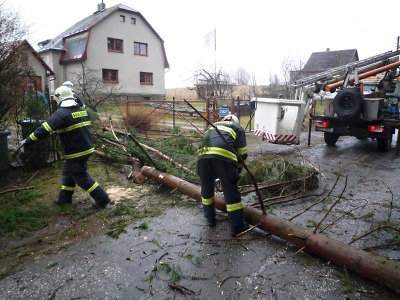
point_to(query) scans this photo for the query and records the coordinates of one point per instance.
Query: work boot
(210, 213)
(101, 205)
(59, 201)
(64, 197)
(236, 230)
(212, 222)
(100, 197)
(237, 222)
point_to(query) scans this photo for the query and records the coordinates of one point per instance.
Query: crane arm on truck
(353, 112)
(320, 80)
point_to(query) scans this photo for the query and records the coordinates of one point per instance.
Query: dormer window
(75, 47)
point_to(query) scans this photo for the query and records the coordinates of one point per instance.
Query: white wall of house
(128, 65)
(52, 58)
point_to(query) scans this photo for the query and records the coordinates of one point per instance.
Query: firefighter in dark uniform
(217, 161)
(72, 124)
(78, 100)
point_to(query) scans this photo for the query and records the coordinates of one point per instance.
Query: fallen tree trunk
(378, 269)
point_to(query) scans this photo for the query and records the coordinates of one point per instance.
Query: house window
(146, 78)
(115, 45)
(122, 18)
(133, 20)
(110, 75)
(75, 47)
(140, 49)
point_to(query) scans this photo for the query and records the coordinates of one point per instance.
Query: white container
(279, 120)
(372, 108)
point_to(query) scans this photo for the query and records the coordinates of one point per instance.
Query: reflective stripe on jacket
(73, 126)
(214, 146)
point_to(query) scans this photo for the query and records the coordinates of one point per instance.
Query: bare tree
(213, 84)
(275, 85)
(92, 88)
(289, 67)
(252, 89)
(241, 76)
(12, 58)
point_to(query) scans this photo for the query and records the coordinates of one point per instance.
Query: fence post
(238, 107)
(173, 112)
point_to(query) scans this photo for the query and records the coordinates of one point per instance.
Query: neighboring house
(33, 69)
(323, 61)
(118, 44)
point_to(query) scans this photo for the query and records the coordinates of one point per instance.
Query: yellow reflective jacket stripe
(47, 127)
(242, 150)
(217, 151)
(79, 154)
(226, 129)
(33, 137)
(75, 126)
(234, 206)
(207, 201)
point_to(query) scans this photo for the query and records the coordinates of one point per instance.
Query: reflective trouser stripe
(67, 188)
(93, 187)
(207, 201)
(234, 206)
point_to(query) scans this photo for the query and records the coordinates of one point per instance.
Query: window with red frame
(115, 45)
(110, 76)
(146, 78)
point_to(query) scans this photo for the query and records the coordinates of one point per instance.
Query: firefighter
(217, 161)
(78, 100)
(72, 124)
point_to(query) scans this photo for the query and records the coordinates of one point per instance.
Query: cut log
(378, 269)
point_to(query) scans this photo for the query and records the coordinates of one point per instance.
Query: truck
(365, 102)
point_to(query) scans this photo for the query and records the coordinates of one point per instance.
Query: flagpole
(215, 52)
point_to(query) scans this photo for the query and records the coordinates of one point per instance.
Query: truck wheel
(384, 144)
(347, 104)
(330, 138)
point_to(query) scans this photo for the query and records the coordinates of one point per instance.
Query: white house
(118, 44)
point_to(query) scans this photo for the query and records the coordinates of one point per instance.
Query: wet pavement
(179, 257)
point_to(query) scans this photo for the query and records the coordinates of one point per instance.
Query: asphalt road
(179, 257)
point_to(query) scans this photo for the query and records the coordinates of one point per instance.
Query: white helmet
(63, 93)
(68, 84)
(231, 118)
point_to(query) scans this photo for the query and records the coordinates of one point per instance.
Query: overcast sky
(256, 35)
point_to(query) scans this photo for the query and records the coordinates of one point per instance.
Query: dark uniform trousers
(209, 169)
(75, 173)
